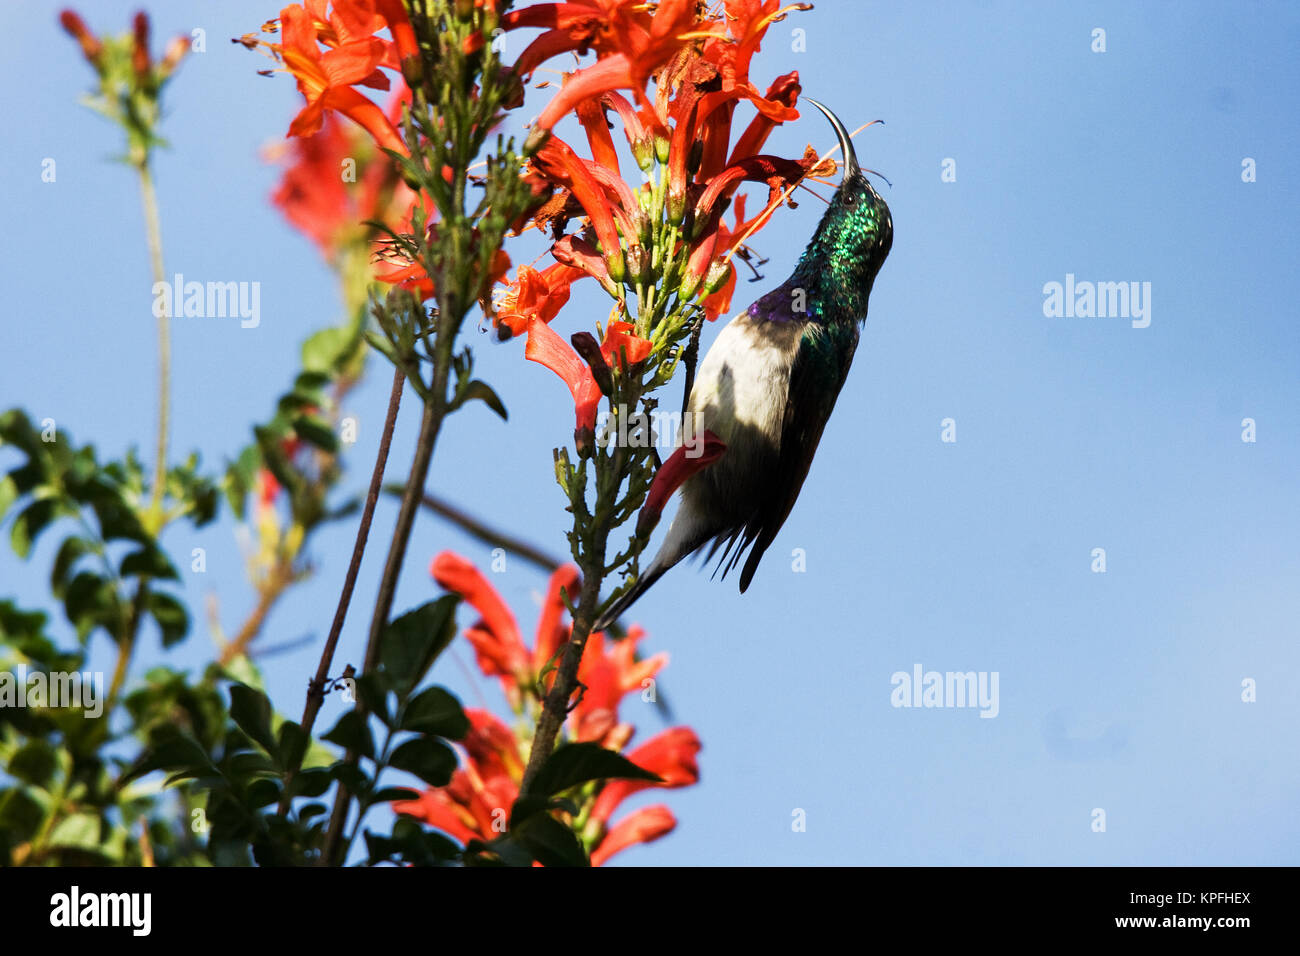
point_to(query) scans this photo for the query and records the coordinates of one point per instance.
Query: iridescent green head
(850, 244)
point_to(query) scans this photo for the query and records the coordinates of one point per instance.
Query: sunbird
(768, 385)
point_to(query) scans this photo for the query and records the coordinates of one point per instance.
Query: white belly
(745, 378)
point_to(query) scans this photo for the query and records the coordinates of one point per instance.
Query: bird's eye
(850, 199)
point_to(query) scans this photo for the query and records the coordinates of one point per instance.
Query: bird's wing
(820, 368)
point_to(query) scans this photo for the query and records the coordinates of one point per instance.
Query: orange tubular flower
(670, 755)
(534, 295)
(608, 677)
(482, 790)
(473, 805)
(551, 629)
(315, 199)
(327, 79)
(559, 163)
(547, 348)
(632, 39)
(642, 826)
(699, 56)
(496, 640)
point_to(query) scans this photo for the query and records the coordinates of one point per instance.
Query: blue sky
(1119, 691)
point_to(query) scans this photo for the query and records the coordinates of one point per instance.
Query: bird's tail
(651, 575)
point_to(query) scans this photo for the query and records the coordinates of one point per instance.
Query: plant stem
(435, 409)
(127, 644)
(153, 232)
(316, 689)
(556, 706)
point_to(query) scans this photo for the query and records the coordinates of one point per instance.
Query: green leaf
(549, 841)
(70, 552)
(310, 783)
(351, 776)
(316, 431)
(34, 763)
(353, 733)
(8, 494)
(428, 758)
(173, 620)
(435, 711)
(78, 831)
(389, 794)
(411, 643)
(573, 764)
(251, 712)
(90, 601)
(148, 562)
(30, 523)
(325, 350)
(292, 745)
(276, 461)
(174, 752)
(261, 793)
(483, 391)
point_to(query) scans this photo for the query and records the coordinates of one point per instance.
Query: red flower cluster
(352, 56)
(699, 62)
(476, 802)
(335, 182)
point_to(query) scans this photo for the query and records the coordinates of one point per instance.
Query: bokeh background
(1119, 691)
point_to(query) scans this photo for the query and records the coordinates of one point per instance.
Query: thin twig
(488, 535)
(430, 425)
(316, 689)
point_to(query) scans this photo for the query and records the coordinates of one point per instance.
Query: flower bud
(140, 49)
(615, 265)
(638, 263)
(717, 276)
(663, 146)
(91, 48)
(535, 140)
(172, 57)
(585, 344)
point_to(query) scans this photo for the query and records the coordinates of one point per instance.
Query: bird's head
(855, 233)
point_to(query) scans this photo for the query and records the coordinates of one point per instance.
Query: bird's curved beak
(846, 143)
